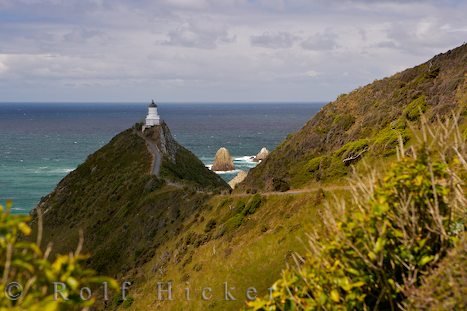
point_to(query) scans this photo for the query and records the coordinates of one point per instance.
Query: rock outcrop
(223, 161)
(263, 154)
(238, 179)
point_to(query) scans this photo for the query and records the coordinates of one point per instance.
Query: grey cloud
(386, 44)
(420, 34)
(192, 49)
(279, 40)
(320, 42)
(80, 35)
(198, 36)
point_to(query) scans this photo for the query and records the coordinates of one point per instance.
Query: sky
(214, 50)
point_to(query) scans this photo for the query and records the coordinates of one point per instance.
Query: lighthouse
(153, 117)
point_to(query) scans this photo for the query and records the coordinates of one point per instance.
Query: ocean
(41, 142)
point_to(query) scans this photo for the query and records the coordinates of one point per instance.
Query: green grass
(251, 255)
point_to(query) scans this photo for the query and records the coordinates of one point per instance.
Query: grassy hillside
(364, 123)
(242, 240)
(123, 210)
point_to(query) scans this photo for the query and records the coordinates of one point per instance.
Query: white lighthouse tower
(153, 117)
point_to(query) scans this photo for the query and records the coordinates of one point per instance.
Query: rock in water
(238, 179)
(223, 161)
(263, 154)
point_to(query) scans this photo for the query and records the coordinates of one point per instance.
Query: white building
(153, 117)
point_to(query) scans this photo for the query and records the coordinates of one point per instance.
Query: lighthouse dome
(152, 104)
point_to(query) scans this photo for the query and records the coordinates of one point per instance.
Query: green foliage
(278, 184)
(343, 121)
(394, 232)
(128, 302)
(236, 217)
(413, 110)
(253, 204)
(25, 263)
(233, 223)
(352, 148)
(386, 141)
(314, 164)
(326, 167)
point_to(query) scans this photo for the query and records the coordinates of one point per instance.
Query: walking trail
(155, 153)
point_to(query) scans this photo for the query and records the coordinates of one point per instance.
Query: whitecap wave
(245, 159)
(19, 209)
(227, 172)
(47, 170)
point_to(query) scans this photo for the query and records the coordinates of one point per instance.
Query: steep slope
(367, 121)
(124, 211)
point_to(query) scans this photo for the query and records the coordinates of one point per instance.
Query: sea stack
(223, 161)
(237, 179)
(263, 154)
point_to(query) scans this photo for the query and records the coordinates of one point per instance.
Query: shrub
(25, 263)
(413, 110)
(253, 204)
(233, 223)
(352, 148)
(343, 121)
(397, 228)
(314, 164)
(280, 185)
(325, 167)
(386, 141)
(211, 224)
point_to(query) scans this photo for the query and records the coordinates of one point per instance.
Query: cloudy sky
(214, 50)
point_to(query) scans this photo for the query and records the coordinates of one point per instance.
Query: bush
(387, 140)
(25, 263)
(280, 185)
(417, 107)
(314, 164)
(343, 121)
(233, 223)
(253, 204)
(326, 167)
(211, 224)
(352, 148)
(395, 231)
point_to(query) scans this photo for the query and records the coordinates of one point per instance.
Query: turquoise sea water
(40, 143)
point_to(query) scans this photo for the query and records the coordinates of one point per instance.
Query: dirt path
(295, 191)
(155, 153)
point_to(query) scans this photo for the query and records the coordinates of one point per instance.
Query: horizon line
(164, 102)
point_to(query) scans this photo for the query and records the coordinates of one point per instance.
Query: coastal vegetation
(33, 281)
(338, 239)
(374, 252)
